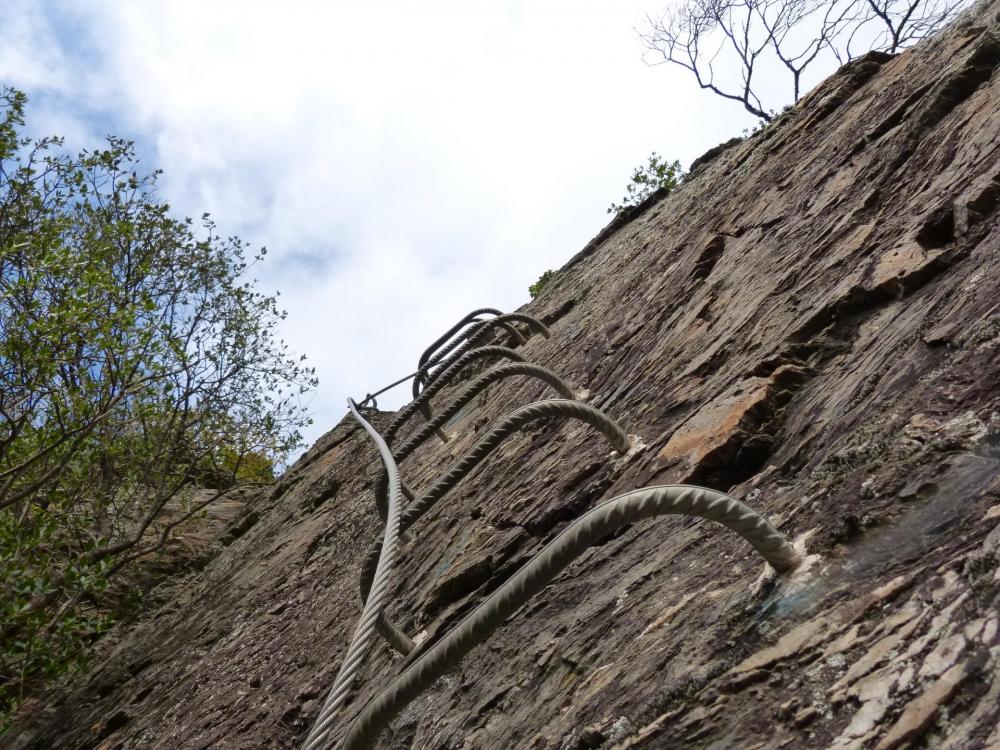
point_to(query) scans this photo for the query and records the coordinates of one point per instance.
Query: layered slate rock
(811, 322)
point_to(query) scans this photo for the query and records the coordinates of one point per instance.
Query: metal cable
(511, 423)
(381, 500)
(374, 604)
(457, 366)
(434, 660)
(475, 388)
(425, 377)
(370, 397)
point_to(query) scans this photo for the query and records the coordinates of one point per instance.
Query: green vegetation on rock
(535, 289)
(656, 174)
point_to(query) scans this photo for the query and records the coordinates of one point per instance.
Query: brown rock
(794, 641)
(806, 716)
(811, 321)
(920, 712)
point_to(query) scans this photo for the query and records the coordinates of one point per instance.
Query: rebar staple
(583, 533)
(425, 377)
(474, 389)
(511, 424)
(457, 366)
(440, 341)
(425, 663)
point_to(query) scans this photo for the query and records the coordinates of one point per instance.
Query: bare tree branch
(746, 39)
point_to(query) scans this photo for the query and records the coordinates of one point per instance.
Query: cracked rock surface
(810, 322)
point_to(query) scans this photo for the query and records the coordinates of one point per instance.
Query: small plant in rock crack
(535, 289)
(655, 175)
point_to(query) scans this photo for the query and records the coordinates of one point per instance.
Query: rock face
(811, 322)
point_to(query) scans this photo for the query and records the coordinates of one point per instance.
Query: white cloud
(403, 161)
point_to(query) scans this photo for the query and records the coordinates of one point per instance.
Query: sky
(403, 162)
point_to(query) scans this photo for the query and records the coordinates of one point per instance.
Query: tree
(656, 174)
(135, 357)
(745, 39)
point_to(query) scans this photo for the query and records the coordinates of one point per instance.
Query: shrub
(655, 175)
(535, 289)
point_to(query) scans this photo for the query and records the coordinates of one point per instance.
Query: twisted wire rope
(511, 424)
(425, 377)
(404, 414)
(365, 628)
(433, 660)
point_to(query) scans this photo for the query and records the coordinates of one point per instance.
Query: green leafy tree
(656, 174)
(134, 353)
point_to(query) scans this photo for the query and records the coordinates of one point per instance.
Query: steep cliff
(811, 322)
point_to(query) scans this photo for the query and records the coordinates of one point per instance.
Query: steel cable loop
(425, 377)
(510, 424)
(361, 639)
(404, 414)
(430, 663)
(474, 389)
